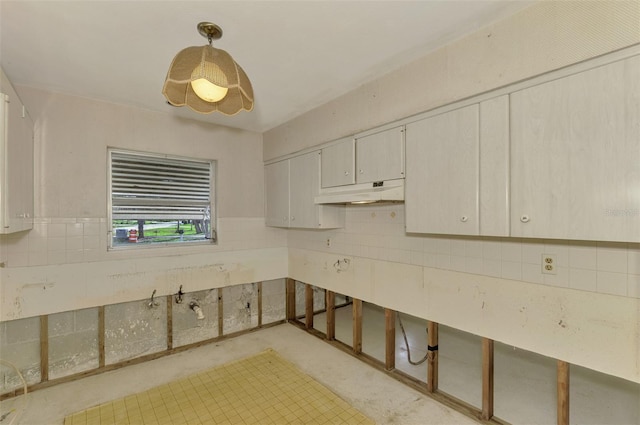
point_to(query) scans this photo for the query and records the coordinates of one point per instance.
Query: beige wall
(73, 133)
(63, 264)
(544, 37)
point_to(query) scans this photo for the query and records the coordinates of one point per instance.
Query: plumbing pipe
(24, 398)
(196, 308)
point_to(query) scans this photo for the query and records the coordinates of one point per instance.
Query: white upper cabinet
(371, 158)
(441, 192)
(457, 163)
(575, 165)
(16, 162)
(291, 186)
(380, 156)
(339, 163)
(494, 167)
(276, 177)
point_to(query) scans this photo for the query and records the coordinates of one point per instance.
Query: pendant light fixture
(207, 79)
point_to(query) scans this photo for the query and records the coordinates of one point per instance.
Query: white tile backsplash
(75, 229)
(560, 278)
(377, 231)
(458, 247)
(633, 285)
(583, 255)
(612, 283)
(473, 248)
(611, 258)
(511, 270)
(491, 250)
(56, 241)
(583, 279)
(512, 250)
(633, 260)
(532, 250)
(57, 230)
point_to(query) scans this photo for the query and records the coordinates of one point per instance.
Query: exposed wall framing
(487, 378)
(563, 393)
(169, 323)
(308, 293)
(101, 357)
(173, 316)
(430, 387)
(485, 414)
(44, 348)
(357, 326)
(331, 315)
(390, 339)
(432, 359)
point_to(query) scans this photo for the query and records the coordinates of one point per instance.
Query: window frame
(213, 222)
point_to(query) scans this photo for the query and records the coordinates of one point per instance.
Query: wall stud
(390, 339)
(487, 379)
(331, 315)
(357, 326)
(432, 359)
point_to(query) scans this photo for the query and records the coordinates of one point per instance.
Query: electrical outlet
(328, 242)
(549, 264)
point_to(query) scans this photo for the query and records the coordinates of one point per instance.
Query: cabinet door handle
(361, 171)
(346, 173)
(525, 218)
(293, 218)
(464, 219)
(285, 218)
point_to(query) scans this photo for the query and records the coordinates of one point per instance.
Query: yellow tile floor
(262, 389)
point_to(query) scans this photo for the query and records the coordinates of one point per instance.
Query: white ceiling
(297, 54)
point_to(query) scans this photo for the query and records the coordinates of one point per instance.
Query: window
(159, 199)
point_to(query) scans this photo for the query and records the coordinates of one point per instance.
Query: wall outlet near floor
(549, 264)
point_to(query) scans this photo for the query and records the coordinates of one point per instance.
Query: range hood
(363, 193)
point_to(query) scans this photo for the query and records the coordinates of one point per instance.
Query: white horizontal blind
(145, 187)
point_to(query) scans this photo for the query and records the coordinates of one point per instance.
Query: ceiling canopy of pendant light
(207, 79)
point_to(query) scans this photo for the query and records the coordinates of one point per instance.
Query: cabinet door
(441, 192)
(576, 156)
(380, 156)
(16, 194)
(338, 164)
(494, 166)
(276, 177)
(304, 186)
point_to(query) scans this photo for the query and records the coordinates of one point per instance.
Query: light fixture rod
(209, 31)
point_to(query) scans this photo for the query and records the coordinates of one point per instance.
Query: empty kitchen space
(429, 213)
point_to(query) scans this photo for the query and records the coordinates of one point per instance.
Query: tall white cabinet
(575, 164)
(16, 161)
(457, 171)
(290, 188)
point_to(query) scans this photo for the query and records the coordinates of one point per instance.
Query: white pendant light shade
(203, 86)
(207, 79)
